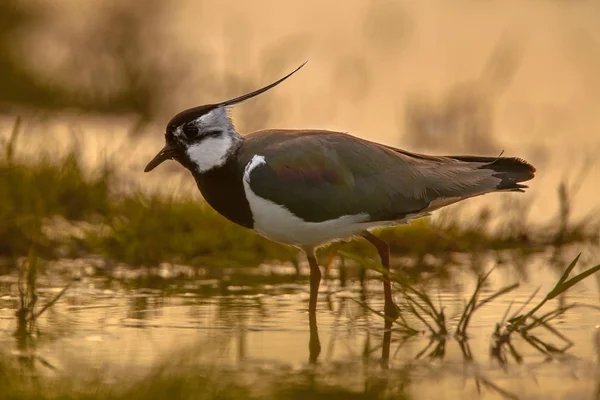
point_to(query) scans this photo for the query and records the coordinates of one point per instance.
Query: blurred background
(86, 89)
(442, 77)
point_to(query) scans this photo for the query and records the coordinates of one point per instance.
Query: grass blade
(51, 302)
(497, 294)
(573, 281)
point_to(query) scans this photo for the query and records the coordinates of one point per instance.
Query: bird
(307, 188)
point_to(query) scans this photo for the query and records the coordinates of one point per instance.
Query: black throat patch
(223, 189)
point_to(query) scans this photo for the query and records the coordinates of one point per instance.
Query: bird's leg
(315, 280)
(383, 248)
(314, 344)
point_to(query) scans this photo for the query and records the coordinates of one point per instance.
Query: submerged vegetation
(52, 205)
(377, 373)
(428, 318)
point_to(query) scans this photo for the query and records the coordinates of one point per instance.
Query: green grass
(149, 229)
(143, 229)
(35, 190)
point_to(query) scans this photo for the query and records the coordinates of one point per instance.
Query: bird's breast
(223, 190)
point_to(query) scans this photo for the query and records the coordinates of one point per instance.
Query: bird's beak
(166, 153)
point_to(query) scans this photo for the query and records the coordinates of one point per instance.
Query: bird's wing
(319, 176)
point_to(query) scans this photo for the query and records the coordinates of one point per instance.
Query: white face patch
(207, 150)
(211, 152)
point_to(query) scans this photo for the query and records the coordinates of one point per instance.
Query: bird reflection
(314, 344)
(385, 346)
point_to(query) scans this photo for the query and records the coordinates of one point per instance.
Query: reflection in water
(139, 308)
(437, 344)
(264, 332)
(385, 347)
(314, 343)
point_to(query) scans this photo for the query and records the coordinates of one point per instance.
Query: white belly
(279, 224)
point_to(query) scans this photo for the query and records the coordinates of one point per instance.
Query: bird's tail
(471, 172)
(510, 170)
(461, 177)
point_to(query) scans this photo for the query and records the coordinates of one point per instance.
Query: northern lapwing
(307, 188)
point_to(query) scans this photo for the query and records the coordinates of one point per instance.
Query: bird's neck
(221, 182)
(223, 189)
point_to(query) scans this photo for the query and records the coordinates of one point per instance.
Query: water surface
(121, 330)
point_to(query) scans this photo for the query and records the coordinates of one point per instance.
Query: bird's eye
(190, 131)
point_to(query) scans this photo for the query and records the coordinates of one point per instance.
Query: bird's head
(202, 138)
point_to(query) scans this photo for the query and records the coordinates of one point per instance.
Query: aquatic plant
(28, 312)
(418, 304)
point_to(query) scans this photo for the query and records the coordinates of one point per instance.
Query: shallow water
(122, 331)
